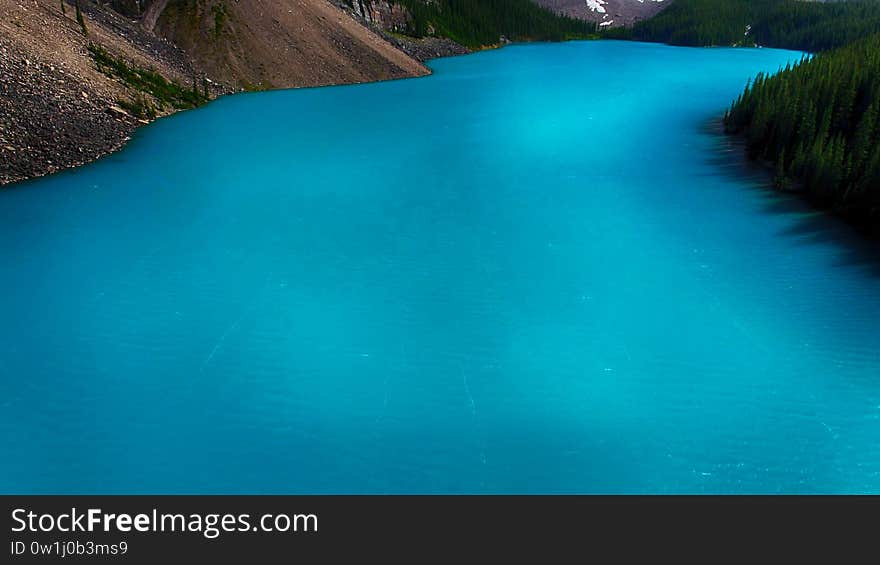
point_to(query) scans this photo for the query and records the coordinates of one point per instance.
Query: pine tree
(818, 123)
(780, 178)
(81, 20)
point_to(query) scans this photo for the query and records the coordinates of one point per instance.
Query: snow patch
(596, 5)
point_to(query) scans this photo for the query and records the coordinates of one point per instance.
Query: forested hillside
(479, 23)
(819, 122)
(788, 24)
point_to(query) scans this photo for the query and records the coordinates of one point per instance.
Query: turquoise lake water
(536, 271)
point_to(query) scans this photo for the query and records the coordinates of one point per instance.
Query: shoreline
(129, 125)
(762, 172)
(124, 125)
(76, 89)
(121, 144)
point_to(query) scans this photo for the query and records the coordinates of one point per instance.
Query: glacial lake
(539, 270)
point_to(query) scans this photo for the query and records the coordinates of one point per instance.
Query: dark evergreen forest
(817, 122)
(787, 24)
(481, 23)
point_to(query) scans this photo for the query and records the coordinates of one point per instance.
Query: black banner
(414, 529)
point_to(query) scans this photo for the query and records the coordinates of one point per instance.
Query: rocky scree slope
(74, 88)
(57, 108)
(262, 44)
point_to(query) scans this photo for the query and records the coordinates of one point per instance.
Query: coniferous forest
(818, 123)
(480, 23)
(786, 24)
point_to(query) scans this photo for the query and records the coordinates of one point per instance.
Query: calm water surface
(530, 272)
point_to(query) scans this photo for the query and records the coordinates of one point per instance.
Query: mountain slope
(281, 43)
(57, 108)
(606, 12)
(819, 122)
(474, 23)
(71, 92)
(790, 24)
